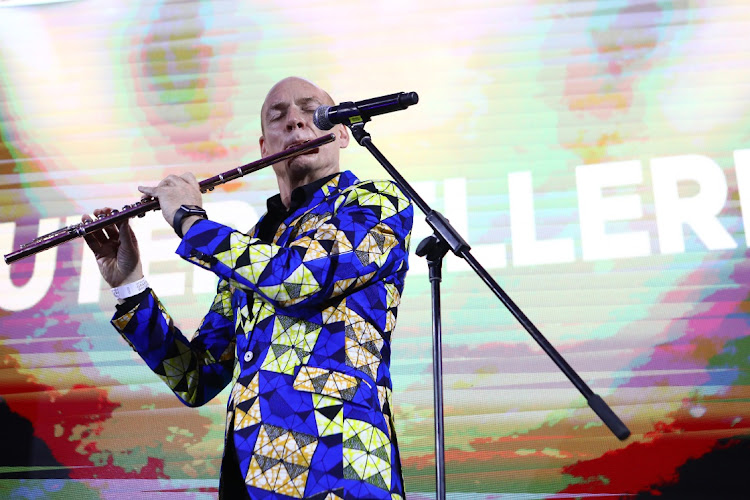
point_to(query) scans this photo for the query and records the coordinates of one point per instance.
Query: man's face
(287, 118)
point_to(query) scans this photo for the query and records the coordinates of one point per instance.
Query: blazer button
(248, 356)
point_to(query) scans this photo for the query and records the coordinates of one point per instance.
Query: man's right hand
(116, 251)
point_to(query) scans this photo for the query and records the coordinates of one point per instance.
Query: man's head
(287, 120)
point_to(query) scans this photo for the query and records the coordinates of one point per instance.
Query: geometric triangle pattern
(309, 221)
(329, 415)
(363, 345)
(244, 399)
(293, 288)
(375, 245)
(292, 342)
(242, 393)
(222, 303)
(301, 328)
(281, 461)
(314, 249)
(260, 311)
(337, 494)
(327, 383)
(178, 371)
(241, 324)
(367, 454)
(121, 322)
(384, 397)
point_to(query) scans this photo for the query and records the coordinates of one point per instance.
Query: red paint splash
(66, 421)
(658, 458)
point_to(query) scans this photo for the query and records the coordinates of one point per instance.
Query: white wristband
(134, 288)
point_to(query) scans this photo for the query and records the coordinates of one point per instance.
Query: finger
(127, 237)
(170, 180)
(148, 191)
(93, 244)
(112, 232)
(97, 238)
(96, 241)
(90, 239)
(190, 179)
(102, 211)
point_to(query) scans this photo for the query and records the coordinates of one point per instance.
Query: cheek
(273, 144)
(332, 150)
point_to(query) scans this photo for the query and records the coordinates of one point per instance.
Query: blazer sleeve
(365, 239)
(195, 370)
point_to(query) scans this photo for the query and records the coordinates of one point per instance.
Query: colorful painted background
(595, 154)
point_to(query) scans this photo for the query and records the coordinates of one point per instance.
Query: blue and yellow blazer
(301, 327)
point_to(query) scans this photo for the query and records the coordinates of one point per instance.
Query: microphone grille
(320, 118)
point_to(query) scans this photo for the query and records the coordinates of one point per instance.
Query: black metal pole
(434, 250)
(437, 360)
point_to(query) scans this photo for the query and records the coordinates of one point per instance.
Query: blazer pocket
(337, 385)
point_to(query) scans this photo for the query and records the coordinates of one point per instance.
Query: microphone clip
(349, 114)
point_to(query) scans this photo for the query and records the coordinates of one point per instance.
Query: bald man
(301, 323)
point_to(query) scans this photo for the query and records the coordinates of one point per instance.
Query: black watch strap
(186, 211)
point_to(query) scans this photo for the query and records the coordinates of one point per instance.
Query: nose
(295, 119)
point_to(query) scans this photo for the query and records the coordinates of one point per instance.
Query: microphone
(349, 113)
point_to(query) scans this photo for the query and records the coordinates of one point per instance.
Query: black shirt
(277, 212)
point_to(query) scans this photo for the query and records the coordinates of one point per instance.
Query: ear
(262, 143)
(342, 136)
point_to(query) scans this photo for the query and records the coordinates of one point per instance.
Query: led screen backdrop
(595, 154)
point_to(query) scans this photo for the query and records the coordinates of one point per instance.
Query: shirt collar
(302, 195)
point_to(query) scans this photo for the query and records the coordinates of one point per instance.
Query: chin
(301, 167)
(306, 162)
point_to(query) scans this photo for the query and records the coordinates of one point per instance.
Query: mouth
(299, 143)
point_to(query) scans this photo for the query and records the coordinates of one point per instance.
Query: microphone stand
(434, 248)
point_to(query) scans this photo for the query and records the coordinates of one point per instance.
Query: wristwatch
(186, 211)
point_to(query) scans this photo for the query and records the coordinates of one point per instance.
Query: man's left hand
(174, 191)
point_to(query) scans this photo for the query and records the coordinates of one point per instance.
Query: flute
(139, 208)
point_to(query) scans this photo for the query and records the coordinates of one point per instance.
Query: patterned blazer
(301, 327)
